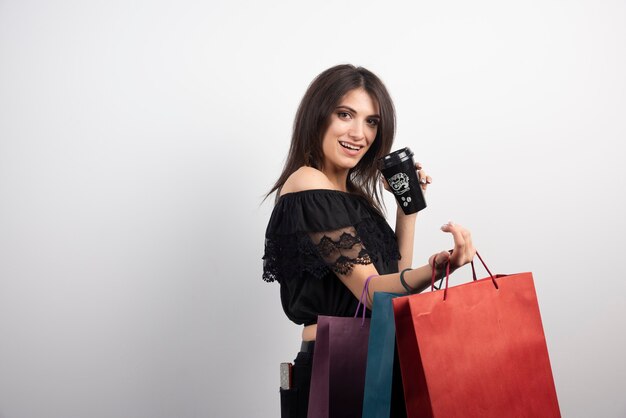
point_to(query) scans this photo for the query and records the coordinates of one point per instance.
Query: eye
(373, 122)
(344, 115)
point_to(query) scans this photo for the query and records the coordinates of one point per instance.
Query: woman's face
(351, 131)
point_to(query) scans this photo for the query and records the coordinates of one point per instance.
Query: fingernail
(449, 223)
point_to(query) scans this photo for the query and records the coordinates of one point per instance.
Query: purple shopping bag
(339, 362)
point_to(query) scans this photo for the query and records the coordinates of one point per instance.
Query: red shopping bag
(475, 350)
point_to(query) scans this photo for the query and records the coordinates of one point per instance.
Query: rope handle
(363, 299)
(445, 292)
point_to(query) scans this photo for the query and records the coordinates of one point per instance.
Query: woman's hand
(422, 177)
(463, 251)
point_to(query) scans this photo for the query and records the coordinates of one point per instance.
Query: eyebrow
(355, 112)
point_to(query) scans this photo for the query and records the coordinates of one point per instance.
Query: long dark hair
(312, 119)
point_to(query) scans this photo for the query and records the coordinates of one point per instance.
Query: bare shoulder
(306, 178)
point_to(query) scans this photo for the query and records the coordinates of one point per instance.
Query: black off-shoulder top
(314, 234)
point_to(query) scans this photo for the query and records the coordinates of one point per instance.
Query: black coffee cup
(398, 168)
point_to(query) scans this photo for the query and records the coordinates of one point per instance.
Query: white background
(138, 138)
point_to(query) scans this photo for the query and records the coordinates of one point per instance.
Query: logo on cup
(399, 183)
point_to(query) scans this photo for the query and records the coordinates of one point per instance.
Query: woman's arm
(405, 224)
(405, 233)
(419, 278)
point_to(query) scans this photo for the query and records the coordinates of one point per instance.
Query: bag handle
(363, 300)
(445, 291)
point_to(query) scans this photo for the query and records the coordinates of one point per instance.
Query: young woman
(327, 232)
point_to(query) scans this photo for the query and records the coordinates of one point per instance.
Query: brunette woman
(327, 232)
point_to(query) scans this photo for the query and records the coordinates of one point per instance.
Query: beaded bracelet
(404, 283)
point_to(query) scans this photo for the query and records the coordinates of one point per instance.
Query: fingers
(464, 250)
(438, 262)
(384, 183)
(440, 259)
(470, 245)
(422, 177)
(457, 232)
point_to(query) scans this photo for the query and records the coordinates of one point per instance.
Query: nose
(356, 131)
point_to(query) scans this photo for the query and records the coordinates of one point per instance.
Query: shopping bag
(413, 379)
(475, 350)
(339, 360)
(380, 358)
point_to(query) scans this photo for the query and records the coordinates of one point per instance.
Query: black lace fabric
(318, 233)
(315, 235)
(319, 253)
(341, 249)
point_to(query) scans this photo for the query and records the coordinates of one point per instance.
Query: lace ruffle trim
(289, 256)
(333, 252)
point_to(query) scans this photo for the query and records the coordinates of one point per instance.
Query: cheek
(327, 145)
(328, 138)
(372, 137)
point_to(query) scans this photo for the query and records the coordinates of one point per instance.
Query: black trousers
(294, 402)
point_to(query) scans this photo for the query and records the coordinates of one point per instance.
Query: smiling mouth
(350, 146)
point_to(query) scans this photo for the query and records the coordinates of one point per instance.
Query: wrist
(401, 215)
(406, 286)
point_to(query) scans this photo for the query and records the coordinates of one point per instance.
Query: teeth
(346, 145)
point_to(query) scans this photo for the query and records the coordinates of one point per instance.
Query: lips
(350, 147)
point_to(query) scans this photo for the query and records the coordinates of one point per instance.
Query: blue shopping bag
(380, 357)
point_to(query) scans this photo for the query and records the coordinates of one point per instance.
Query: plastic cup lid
(395, 157)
